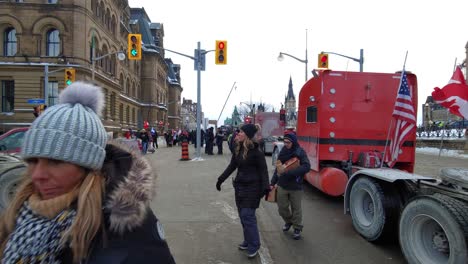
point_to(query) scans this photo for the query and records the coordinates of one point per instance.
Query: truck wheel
(373, 213)
(9, 181)
(434, 229)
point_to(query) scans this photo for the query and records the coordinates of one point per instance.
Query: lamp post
(305, 61)
(120, 56)
(360, 60)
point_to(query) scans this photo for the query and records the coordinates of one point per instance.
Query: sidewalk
(200, 223)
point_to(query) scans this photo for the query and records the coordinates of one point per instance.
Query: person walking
(154, 135)
(250, 185)
(144, 141)
(289, 191)
(219, 138)
(83, 199)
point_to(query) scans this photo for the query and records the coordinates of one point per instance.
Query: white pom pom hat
(70, 131)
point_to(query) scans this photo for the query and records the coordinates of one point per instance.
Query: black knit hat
(249, 130)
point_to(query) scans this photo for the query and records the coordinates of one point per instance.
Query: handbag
(291, 164)
(271, 197)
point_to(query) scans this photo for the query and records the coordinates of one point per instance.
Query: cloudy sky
(433, 33)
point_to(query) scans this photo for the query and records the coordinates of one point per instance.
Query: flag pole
(391, 121)
(446, 118)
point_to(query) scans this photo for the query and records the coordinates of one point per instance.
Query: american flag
(405, 120)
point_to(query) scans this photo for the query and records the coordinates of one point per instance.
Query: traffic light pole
(46, 78)
(360, 60)
(198, 58)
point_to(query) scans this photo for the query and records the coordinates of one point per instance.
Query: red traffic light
(221, 45)
(324, 58)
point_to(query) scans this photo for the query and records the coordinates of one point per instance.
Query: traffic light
(69, 76)
(323, 60)
(221, 52)
(283, 115)
(134, 47)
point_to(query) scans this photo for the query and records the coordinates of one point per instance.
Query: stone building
(40, 39)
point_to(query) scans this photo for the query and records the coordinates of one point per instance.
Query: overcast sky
(433, 32)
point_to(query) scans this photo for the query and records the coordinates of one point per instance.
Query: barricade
(185, 151)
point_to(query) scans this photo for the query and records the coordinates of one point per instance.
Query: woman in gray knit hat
(83, 199)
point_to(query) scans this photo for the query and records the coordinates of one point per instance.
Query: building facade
(41, 39)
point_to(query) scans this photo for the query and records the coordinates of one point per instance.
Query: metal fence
(436, 132)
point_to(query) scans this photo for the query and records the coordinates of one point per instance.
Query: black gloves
(218, 185)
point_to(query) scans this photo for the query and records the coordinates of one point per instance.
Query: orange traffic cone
(185, 153)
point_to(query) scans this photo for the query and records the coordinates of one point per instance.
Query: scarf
(286, 154)
(37, 234)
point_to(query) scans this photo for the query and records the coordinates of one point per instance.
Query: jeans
(249, 226)
(144, 147)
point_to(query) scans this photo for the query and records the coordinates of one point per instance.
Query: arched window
(128, 114)
(53, 43)
(94, 7)
(9, 44)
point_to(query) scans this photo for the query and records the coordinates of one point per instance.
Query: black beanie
(249, 130)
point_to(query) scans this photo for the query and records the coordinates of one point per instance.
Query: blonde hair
(87, 221)
(247, 144)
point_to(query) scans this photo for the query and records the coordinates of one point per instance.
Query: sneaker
(253, 254)
(286, 227)
(243, 246)
(297, 234)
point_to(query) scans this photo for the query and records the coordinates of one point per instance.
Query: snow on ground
(444, 152)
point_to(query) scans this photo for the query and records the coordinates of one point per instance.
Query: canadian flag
(454, 95)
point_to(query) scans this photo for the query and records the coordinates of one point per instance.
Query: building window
(128, 114)
(53, 93)
(53, 43)
(8, 96)
(51, 1)
(311, 114)
(9, 44)
(121, 113)
(112, 106)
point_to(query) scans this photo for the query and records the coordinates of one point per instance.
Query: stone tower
(290, 106)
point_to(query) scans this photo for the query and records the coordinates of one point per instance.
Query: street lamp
(360, 60)
(305, 61)
(120, 56)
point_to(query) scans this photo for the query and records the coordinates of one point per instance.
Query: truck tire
(9, 181)
(434, 230)
(374, 214)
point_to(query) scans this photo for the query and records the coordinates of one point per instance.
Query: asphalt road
(202, 225)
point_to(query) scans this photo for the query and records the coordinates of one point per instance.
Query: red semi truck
(343, 123)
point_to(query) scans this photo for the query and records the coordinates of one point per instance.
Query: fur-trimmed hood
(129, 187)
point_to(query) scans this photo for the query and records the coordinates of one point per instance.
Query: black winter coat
(131, 233)
(293, 179)
(251, 181)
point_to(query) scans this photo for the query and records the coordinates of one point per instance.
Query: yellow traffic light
(69, 76)
(134, 47)
(323, 60)
(221, 52)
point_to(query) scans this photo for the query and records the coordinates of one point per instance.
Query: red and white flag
(405, 120)
(454, 95)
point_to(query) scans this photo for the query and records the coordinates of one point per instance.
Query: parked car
(269, 144)
(12, 140)
(11, 170)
